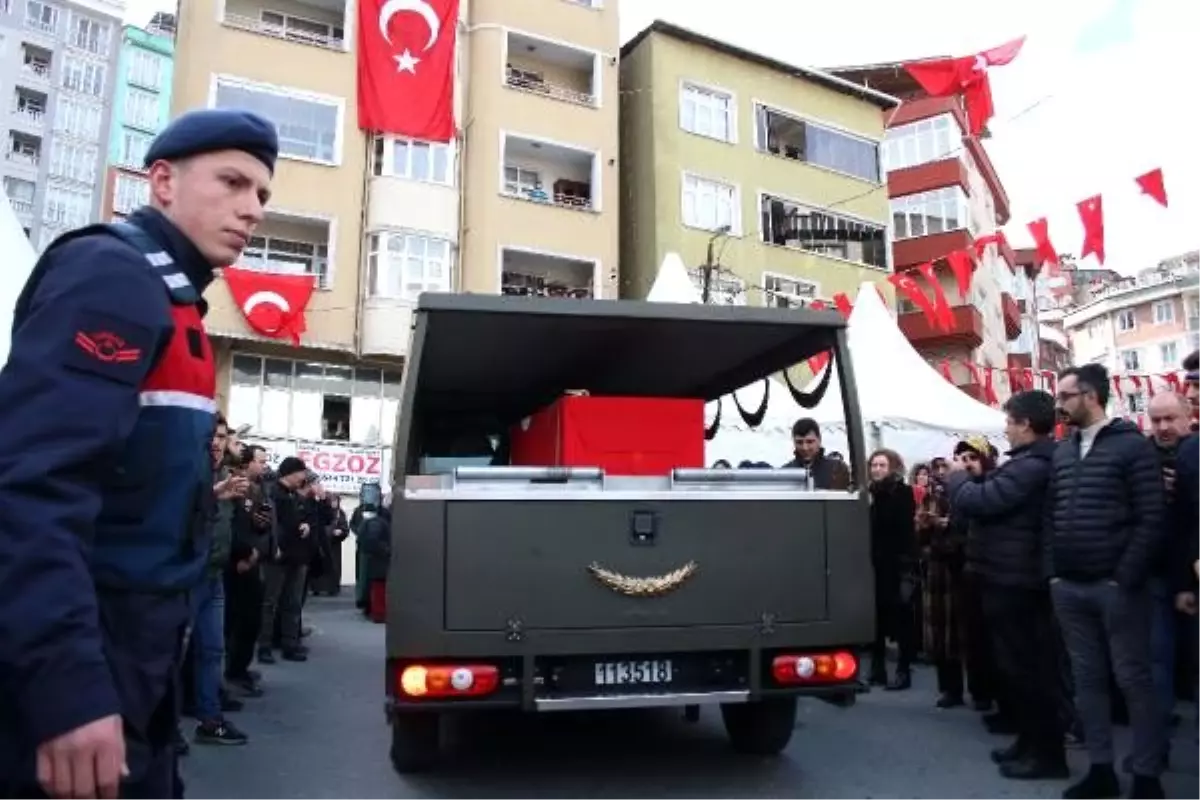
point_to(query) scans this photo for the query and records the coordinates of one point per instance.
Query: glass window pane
(338, 380)
(364, 419)
(309, 377)
(306, 414)
(275, 406)
(278, 374)
(247, 370)
(367, 382)
(243, 405)
(391, 384)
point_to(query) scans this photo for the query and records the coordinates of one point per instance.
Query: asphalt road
(320, 732)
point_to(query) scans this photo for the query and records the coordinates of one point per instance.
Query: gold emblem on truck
(654, 586)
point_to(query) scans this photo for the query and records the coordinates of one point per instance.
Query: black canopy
(497, 358)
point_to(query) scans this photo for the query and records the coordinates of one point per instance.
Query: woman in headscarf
(892, 551)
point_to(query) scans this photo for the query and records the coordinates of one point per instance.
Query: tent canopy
(896, 386)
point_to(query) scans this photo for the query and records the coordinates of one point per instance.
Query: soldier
(105, 473)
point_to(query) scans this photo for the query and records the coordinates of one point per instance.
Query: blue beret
(212, 129)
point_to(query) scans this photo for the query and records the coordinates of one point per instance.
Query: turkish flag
(946, 77)
(1091, 214)
(1152, 184)
(406, 67)
(273, 303)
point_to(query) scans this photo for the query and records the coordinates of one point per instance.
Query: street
(320, 732)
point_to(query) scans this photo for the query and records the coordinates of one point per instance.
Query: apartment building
(773, 168)
(1141, 325)
(57, 60)
(141, 107)
(524, 200)
(945, 193)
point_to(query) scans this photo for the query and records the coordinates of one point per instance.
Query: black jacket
(893, 522)
(1004, 513)
(1105, 516)
(290, 514)
(1186, 544)
(824, 470)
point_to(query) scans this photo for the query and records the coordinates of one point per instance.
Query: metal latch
(643, 528)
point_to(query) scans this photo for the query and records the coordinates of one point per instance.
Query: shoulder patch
(108, 346)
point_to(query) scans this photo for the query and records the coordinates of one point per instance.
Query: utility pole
(710, 265)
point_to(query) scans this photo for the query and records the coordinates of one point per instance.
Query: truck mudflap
(698, 548)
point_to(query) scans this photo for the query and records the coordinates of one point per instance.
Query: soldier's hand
(303, 530)
(86, 762)
(1185, 602)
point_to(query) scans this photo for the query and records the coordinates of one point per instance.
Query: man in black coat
(1004, 509)
(1105, 524)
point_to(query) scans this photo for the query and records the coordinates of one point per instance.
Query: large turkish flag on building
(406, 67)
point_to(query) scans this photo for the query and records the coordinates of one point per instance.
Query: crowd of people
(1054, 589)
(276, 538)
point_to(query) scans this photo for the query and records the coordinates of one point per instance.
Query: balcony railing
(21, 207)
(520, 80)
(551, 198)
(281, 32)
(28, 159)
(40, 26)
(30, 116)
(36, 70)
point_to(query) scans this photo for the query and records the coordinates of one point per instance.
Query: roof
(833, 82)
(496, 358)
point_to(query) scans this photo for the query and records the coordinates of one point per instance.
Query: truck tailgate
(507, 560)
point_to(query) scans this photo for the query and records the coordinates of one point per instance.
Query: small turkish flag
(1152, 184)
(273, 303)
(1091, 214)
(406, 67)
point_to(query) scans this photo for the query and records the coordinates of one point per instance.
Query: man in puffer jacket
(1105, 524)
(1004, 550)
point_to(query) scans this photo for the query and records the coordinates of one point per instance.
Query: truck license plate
(633, 673)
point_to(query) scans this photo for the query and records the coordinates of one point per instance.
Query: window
(415, 160)
(402, 265)
(706, 112)
(788, 224)
(521, 180)
(710, 205)
(1168, 353)
(67, 207)
(78, 118)
(145, 69)
(133, 148)
(88, 34)
(1136, 402)
(73, 161)
(308, 127)
(1131, 360)
(41, 16)
(725, 289)
(1126, 321)
(20, 192)
(780, 291)
(311, 401)
(300, 29)
(920, 142)
(130, 192)
(790, 137)
(141, 109)
(276, 254)
(85, 77)
(1164, 312)
(930, 212)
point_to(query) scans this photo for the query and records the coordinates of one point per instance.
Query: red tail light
(418, 681)
(814, 668)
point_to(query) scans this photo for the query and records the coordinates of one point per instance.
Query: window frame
(736, 227)
(384, 159)
(126, 179)
(884, 245)
(144, 56)
(289, 93)
(380, 254)
(1159, 304)
(1121, 316)
(147, 97)
(1125, 360)
(321, 263)
(685, 86)
(913, 204)
(769, 294)
(892, 150)
(99, 75)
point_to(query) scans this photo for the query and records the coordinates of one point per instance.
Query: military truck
(546, 588)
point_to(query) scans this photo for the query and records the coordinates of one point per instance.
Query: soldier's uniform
(106, 415)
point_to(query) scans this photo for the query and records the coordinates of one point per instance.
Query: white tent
(19, 258)
(905, 403)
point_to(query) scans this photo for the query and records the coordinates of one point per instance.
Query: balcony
(785, 223)
(35, 63)
(24, 150)
(927, 177)
(29, 108)
(552, 70)
(525, 273)
(400, 266)
(551, 174)
(319, 23)
(1012, 315)
(911, 252)
(966, 331)
(292, 245)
